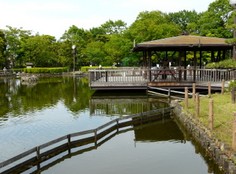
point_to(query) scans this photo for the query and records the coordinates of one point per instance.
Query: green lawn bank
(218, 140)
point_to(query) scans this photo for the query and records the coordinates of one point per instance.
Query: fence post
(209, 89)
(38, 157)
(69, 143)
(194, 91)
(117, 125)
(169, 91)
(186, 97)
(106, 76)
(223, 87)
(234, 132)
(211, 115)
(197, 109)
(233, 95)
(95, 137)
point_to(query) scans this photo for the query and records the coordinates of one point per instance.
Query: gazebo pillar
(195, 65)
(212, 56)
(149, 65)
(145, 59)
(185, 65)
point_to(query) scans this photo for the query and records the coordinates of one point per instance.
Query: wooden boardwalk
(123, 79)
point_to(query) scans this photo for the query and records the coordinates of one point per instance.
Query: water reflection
(132, 102)
(159, 147)
(31, 115)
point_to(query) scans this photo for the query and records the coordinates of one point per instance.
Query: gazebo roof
(184, 42)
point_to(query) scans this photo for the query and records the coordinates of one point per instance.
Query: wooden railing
(177, 74)
(118, 75)
(37, 157)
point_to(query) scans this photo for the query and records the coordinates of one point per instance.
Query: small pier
(173, 78)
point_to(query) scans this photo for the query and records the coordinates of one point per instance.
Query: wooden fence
(37, 157)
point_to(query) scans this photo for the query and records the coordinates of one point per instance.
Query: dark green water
(32, 114)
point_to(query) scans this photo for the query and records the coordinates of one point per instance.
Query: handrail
(38, 157)
(175, 74)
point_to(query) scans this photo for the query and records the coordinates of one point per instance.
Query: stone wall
(218, 151)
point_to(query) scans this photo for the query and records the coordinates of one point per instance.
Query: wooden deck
(137, 78)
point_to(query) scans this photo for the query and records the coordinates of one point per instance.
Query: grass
(223, 110)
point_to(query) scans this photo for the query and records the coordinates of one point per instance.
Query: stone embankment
(217, 151)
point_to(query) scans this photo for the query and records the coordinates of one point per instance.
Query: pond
(35, 113)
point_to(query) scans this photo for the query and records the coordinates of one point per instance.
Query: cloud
(55, 16)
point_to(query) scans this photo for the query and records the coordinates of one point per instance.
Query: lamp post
(74, 54)
(233, 4)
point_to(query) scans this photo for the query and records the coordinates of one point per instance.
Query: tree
(116, 49)
(214, 21)
(95, 53)
(113, 27)
(3, 45)
(14, 38)
(151, 26)
(41, 50)
(186, 20)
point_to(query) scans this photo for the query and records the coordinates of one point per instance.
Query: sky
(54, 17)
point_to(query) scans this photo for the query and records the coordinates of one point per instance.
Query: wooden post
(234, 133)
(223, 87)
(194, 91)
(209, 89)
(38, 157)
(69, 143)
(211, 115)
(106, 76)
(197, 109)
(117, 125)
(169, 92)
(95, 137)
(186, 97)
(233, 95)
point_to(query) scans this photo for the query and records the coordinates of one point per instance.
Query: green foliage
(3, 45)
(111, 43)
(186, 20)
(87, 68)
(225, 64)
(41, 50)
(214, 21)
(151, 26)
(232, 84)
(46, 70)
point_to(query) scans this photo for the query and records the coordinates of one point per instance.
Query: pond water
(32, 114)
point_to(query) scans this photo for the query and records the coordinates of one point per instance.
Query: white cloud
(55, 16)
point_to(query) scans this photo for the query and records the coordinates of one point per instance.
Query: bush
(87, 68)
(225, 64)
(46, 70)
(232, 84)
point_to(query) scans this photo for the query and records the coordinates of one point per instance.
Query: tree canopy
(111, 43)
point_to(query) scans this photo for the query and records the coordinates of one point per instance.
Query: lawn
(223, 110)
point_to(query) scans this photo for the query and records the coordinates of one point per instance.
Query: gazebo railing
(134, 75)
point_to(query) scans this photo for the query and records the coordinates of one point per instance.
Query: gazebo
(181, 45)
(185, 43)
(173, 70)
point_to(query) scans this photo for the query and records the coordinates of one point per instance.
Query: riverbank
(217, 149)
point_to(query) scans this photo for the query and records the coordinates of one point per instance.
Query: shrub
(46, 70)
(232, 84)
(87, 68)
(225, 64)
